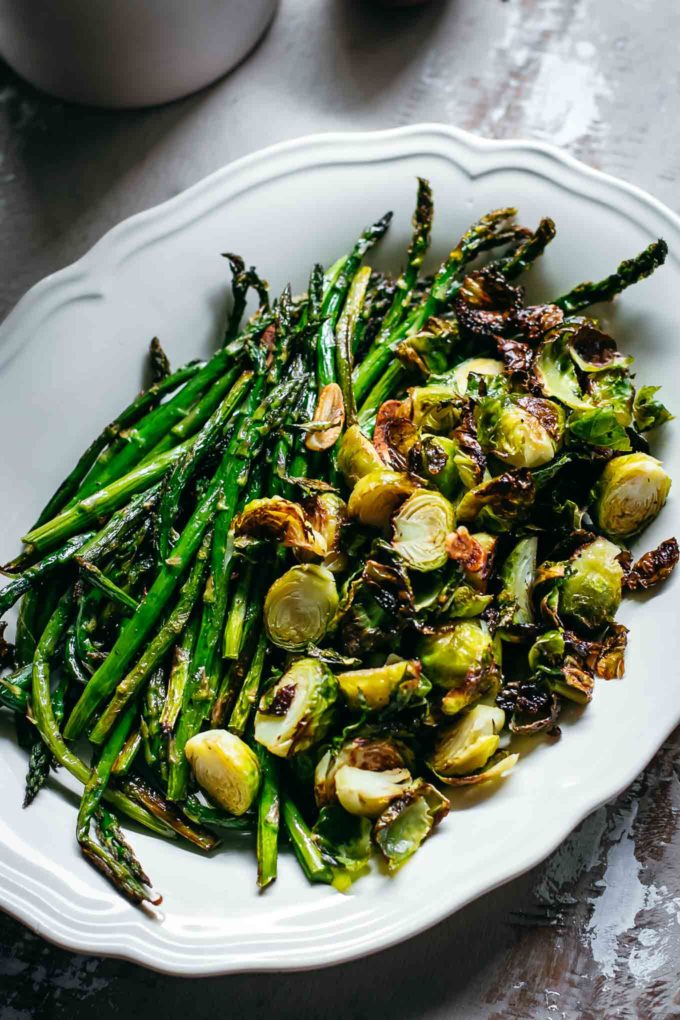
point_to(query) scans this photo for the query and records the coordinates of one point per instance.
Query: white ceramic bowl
(70, 356)
(126, 53)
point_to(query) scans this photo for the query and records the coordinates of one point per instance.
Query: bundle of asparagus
(146, 579)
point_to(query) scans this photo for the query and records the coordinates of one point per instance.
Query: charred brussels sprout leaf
(226, 768)
(517, 576)
(420, 530)
(394, 434)
(345, 839)
(300, 606)
(556, 373)
(591, 591)
(648, 412)
(599, 427)
(652, 568)
(481, 683)
(631, 491)
(297, 711)
(407, 822)
(449, 655)
(591, 349)
(476, 367)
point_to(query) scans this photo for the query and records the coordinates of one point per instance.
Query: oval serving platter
(71, 354)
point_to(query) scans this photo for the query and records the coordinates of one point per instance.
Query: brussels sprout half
(449, 656)
(420, 529)
(375, 688)
(366, 793)
(523, 431)
(468, 744)
(377, 495)
(590, 593)
(357, 455)
(226, 768)
(298, 710)
(300, 606)
(374, 754)
(631, 491)
(280, 519)
(436, 407)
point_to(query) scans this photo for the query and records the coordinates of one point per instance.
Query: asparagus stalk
(489, 232)
(223, 489)
(627, 273)
(99, 580)
(41, 702)
(179, 675)
(268, 812)
(32, 575)
(131, 881)
(132, 413)
(528, 251)
(250, 689)
(104, 501)
(157, 648)
(187, 466)
(40, 759)
(306, 850)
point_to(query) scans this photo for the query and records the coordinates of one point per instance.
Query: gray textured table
(595, 931)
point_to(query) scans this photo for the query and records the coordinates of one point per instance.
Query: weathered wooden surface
(594, 932)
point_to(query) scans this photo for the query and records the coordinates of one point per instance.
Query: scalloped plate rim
(130, 948)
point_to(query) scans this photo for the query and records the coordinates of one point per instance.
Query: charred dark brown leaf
(610, 663)
(652, 568)
(394, 434)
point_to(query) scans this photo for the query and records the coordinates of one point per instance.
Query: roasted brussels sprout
(590, 593)
(591, 349)
(373, 754)
(374, 688)
(366, 793)
(474, 366)
(377, 495)
(407, 821)
(420, 529)
(436, 459)
(327, 514)
(599, 427)
(300, 606)
(226, 768)
(499, 503)
(436, 407)
(297, 711)
(631, 491)
(468, 744)
(449, 655)
(481, 683)
(523, 431)
(282, 520)
(357, 456)
(394, 434)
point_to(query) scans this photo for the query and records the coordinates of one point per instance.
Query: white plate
(71, 355)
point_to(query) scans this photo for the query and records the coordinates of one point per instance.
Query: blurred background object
(128, 53)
